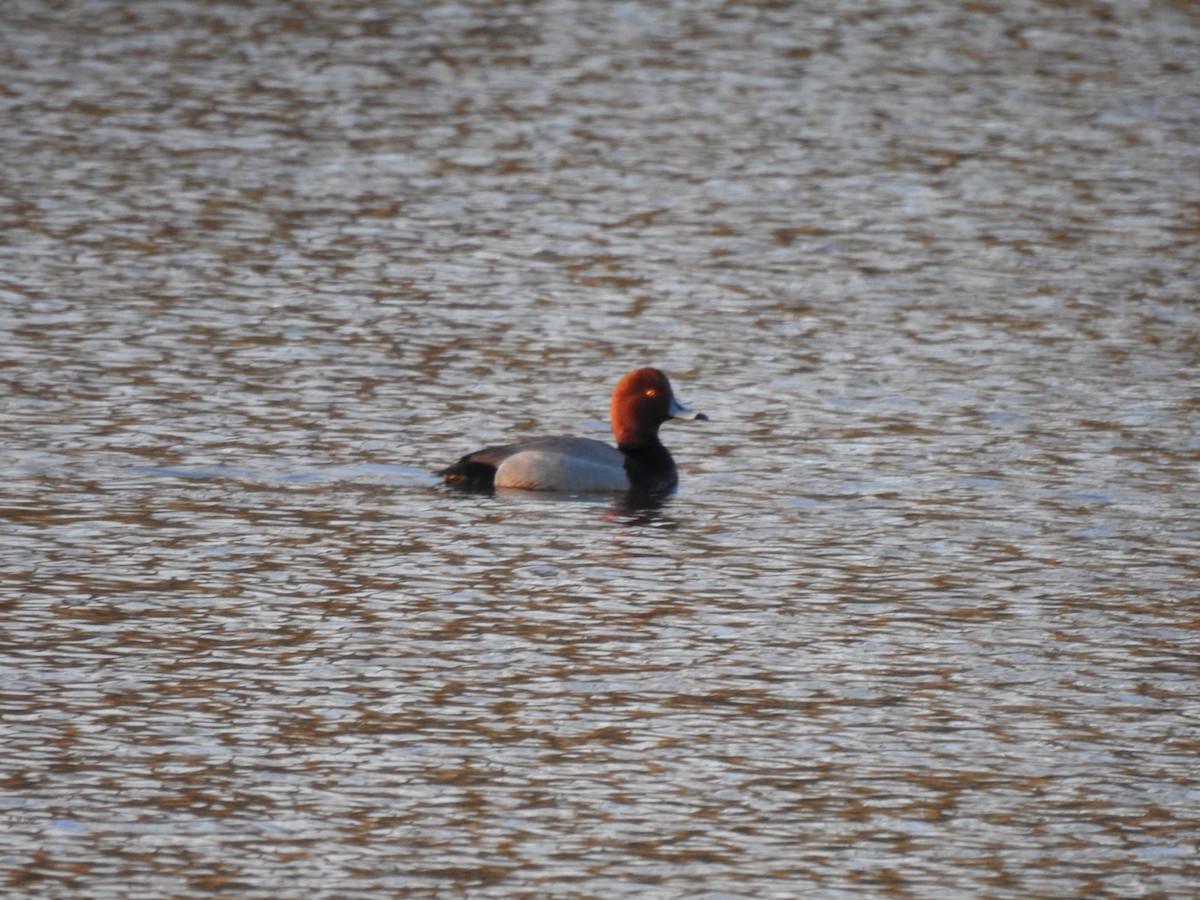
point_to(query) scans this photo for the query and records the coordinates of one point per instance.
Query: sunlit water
(920, 621)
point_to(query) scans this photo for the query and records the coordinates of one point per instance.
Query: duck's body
(566, 464)
(639, 463)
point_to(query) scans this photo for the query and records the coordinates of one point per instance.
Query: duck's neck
(637, 438)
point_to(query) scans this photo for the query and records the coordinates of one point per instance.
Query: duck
(640, 464)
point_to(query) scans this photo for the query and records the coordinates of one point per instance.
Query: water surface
(922, 617)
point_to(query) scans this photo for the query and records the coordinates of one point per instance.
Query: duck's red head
(642, 401)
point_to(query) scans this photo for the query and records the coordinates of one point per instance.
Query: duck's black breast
(651, 469)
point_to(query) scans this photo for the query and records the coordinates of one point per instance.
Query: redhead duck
(639, 463)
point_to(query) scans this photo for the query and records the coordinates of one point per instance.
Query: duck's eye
(651, 392)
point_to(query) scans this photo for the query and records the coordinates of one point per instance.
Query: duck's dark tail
(470, 474)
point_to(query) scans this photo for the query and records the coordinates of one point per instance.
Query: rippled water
(922, 618)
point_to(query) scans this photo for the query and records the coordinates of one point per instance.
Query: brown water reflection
(922, 618)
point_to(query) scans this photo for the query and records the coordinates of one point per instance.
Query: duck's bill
(678, 411)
